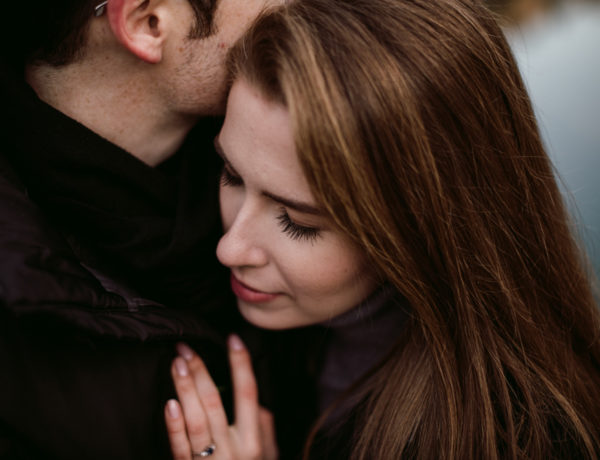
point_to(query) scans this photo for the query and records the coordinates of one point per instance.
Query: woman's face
(289, 266)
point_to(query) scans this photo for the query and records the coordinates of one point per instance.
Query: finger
(180, 445)
(266, 424)
(196, 420)
(209, 397)
(245, 390)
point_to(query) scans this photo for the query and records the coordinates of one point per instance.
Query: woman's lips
(248, 294)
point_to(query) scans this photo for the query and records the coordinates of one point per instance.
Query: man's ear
(138, 25)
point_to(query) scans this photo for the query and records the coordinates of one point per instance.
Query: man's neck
(122, 107)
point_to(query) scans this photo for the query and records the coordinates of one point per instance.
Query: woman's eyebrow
(299, 206)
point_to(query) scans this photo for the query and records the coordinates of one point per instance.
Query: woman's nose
(241, 245)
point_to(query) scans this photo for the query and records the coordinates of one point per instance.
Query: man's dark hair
(55, 32)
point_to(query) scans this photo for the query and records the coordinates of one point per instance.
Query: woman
(382, 159)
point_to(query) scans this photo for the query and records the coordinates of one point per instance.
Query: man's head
(57, 31)
(137, 72)
(178, 46)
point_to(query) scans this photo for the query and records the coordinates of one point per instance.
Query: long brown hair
(417, 136)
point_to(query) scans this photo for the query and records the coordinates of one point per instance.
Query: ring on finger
(206, 452)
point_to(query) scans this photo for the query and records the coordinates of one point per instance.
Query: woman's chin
(267, 318)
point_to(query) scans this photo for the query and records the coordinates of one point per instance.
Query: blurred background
(557, 46)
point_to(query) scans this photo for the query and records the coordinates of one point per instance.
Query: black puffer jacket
(105, 263)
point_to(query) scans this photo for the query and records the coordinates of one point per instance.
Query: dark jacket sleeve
(84, 371)
(70, 395)
(76, 398)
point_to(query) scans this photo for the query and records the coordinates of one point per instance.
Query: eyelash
(288, 226)
(228, 179)
(295, 231)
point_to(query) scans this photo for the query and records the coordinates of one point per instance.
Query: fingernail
(172, 408)
(184, 351)
(181, 367)
(235, 343)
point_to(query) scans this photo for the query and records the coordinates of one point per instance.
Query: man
(108, 218)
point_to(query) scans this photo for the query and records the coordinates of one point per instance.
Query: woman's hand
(198, 427)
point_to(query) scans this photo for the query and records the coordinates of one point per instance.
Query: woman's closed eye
(294, 230)
(230, 179)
